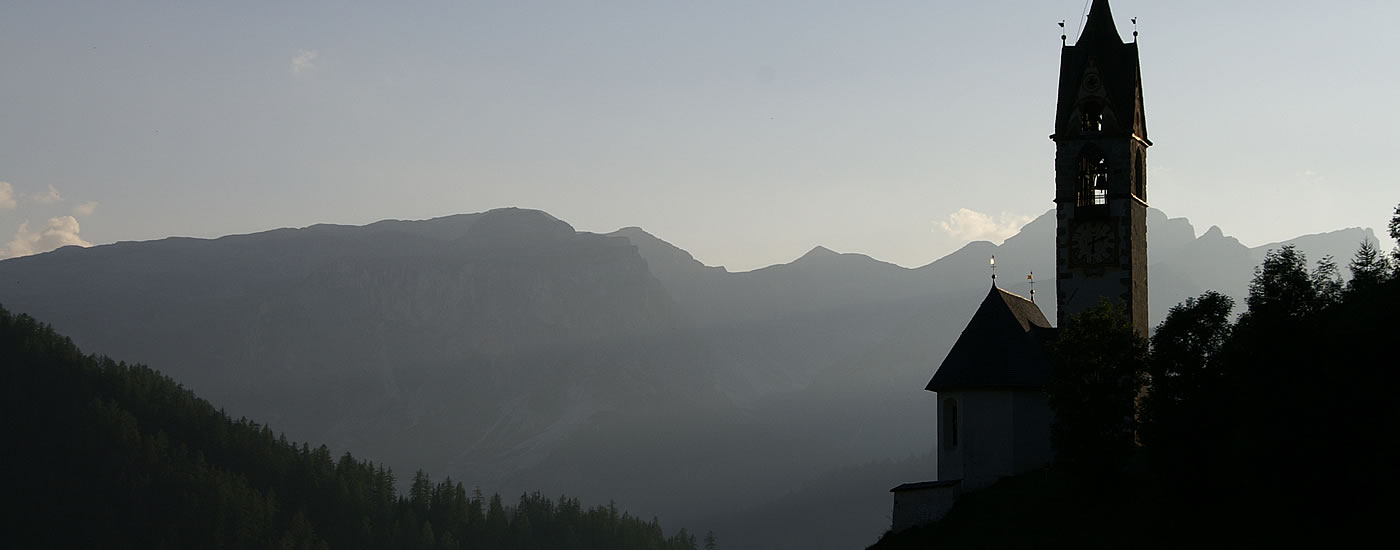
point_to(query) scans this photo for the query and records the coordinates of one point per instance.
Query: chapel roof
(1003, 346)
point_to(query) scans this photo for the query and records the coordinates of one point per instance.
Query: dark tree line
(1281, 423)
(103, 454)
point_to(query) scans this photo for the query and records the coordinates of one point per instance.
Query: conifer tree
(1394, 230)
(1369, 268)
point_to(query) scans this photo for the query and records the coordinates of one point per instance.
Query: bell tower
(1101, 173)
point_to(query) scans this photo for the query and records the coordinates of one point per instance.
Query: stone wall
(922, 503)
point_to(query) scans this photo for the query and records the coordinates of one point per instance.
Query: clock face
(1091, 82)
(1093, 243)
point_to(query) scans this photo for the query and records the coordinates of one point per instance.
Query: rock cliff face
(510, 351)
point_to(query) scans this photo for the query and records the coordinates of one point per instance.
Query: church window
(950, 424)
(1092, 118)
(1093, 178)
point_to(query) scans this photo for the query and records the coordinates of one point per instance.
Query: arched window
(1093, 177)
(1091, 121)
(950, 424)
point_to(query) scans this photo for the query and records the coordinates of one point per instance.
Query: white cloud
(7, 196)
(49, 196)
(971, 225)
(304, 60)
(85, 209)
(60, 231)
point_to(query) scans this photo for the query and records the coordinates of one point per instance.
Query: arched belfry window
(1091, 117)
(950, 424)
(1093, 177)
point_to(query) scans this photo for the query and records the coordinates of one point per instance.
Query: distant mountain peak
(516, 225)
(528, 214)
(821, 255)
(641, 237)
(822, 258)
(662, 256)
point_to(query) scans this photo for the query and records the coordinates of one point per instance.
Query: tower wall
(1101, 175)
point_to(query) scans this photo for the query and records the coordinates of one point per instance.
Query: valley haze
(514, 353)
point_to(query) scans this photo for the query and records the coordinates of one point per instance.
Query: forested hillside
(101, 453)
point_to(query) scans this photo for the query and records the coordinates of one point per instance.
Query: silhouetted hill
(105, 454)
(509, 350)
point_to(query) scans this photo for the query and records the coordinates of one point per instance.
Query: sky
(744, 132)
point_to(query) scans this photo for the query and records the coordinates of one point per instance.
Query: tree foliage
(1395, 234)
(1283, 290)
(1369, 269)
(1278, 417)
(1099, 364)
(1184, 370)
(1262, 419)
(1395, 224)
(106, 454)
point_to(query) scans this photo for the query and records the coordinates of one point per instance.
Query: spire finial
(1063, 36)
(994, 270)
(1134, 29)
(1031, 277)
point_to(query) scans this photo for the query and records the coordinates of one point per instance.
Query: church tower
(1101, 173)
(994, 416)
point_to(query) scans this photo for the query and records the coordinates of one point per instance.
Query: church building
(994, 415)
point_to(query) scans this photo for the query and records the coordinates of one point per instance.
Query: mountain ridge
(507, 349)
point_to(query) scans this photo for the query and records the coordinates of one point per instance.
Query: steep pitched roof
(1003, 346)
(1101, 46)
(1100, 26)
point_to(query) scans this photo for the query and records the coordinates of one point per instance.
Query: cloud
(305, 60)
(85, 209)
(7, 196)
(49, 196)
(971, 225)
(60, 231)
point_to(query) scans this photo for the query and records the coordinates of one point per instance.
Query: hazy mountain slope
(846, 508)
(508, 350)
(774, 330)
(854, 384)
(771, 329)
(474, 344)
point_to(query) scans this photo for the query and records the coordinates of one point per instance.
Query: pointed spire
(1100, 26)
